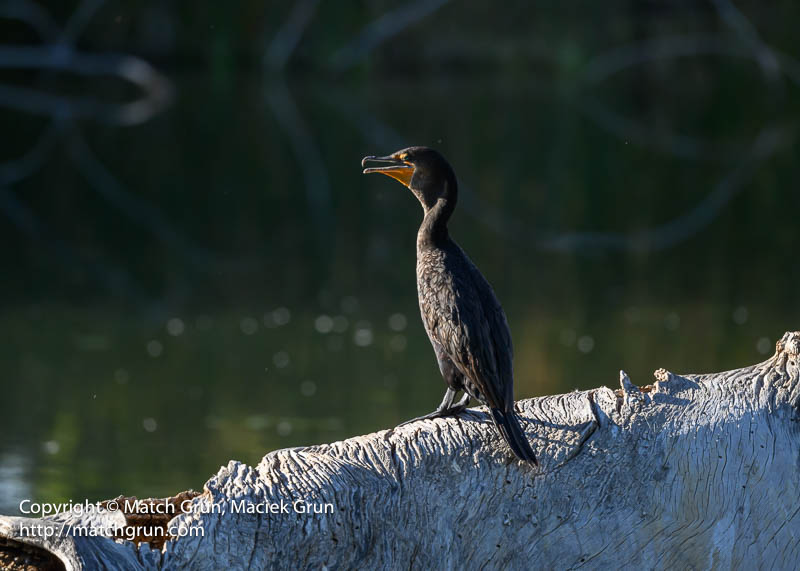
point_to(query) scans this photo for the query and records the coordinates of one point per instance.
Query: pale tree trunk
(695, 471)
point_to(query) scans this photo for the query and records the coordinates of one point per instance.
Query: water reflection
(220, 281)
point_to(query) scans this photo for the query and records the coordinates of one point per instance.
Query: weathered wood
(695, 471)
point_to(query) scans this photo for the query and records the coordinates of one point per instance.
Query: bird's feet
(442, 411)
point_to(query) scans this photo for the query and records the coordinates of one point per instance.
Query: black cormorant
(463, 319)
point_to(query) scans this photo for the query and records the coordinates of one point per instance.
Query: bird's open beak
(397, 169)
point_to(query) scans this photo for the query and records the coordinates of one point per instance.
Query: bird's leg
(462, 404)
(455, 383)
(445, 409)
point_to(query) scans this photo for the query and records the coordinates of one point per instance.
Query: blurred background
(194, 268)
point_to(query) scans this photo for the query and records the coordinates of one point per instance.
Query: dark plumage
(463, 319)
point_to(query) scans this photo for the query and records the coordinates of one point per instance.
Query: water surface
(221, 281)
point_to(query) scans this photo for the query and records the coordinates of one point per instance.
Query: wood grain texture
(696, 471)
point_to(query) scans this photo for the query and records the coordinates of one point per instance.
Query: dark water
(220, 280)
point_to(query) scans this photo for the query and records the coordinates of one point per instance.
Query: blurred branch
(115, 278)
(380, 30)
(765, 144)
(20, 215)
(617, 59)
(61, 55)
(772, 61)
(18, 169)
(304, 148)
(133, 207)
(33, 15)
(622, 57)
(742, 26)
(681, 146)
(681, 228)
(79, 20)
(156, 88)
(288, 36)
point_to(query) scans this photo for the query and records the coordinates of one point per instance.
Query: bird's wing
(501, 339)
(463, 316)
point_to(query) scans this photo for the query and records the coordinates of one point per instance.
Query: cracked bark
(695, 471)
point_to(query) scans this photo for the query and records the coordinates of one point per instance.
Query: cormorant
(463, 319)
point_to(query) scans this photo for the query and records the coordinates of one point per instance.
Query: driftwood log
(692, 472)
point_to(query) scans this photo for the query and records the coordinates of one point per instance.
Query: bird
(461, 314)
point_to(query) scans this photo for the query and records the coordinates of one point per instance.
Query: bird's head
(423, 170)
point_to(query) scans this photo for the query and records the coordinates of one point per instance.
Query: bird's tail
(512, 432)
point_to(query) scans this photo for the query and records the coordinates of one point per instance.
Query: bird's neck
(433, 230)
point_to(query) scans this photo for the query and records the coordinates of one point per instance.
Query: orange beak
(397, 169)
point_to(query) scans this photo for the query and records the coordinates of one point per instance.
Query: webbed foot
(447, 408)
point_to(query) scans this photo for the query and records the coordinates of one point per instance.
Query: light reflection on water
(247, 299)
(158, 421)
(15, 484)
